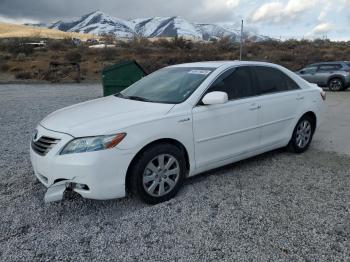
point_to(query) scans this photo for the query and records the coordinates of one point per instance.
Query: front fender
(178, 128)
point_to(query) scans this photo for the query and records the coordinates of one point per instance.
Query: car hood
(103, 116)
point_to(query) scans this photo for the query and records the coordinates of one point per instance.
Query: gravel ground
(274, 207)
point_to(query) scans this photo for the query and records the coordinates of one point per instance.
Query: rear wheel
(302, 135)
(336, 84)
(158, 173)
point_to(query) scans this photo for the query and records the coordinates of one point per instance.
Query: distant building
(37, 44)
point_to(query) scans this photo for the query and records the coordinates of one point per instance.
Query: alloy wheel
(304, 133)
(335, 85)
(161, 175)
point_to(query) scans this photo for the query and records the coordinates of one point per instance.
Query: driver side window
(237, 83)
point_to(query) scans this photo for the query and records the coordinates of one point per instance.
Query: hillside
(12, 30)
(22, 62)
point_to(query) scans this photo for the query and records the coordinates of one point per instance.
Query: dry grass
(11, 30)
(153, 55)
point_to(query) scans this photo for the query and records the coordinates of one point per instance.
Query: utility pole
(241, 47)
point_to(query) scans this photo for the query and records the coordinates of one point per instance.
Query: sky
(275, 18)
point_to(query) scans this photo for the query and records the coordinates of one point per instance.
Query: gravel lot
(278, 206)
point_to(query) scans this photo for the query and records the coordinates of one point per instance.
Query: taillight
(323, 95)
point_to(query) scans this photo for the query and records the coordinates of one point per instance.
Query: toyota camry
(175, 123)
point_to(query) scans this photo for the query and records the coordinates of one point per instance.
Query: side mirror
(215, 98)
(302, 72)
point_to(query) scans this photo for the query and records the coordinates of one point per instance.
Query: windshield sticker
(200, 72)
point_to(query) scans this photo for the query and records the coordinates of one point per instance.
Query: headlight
(91, 144)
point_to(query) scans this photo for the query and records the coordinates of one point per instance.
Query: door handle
(300, 98)
(255, 107)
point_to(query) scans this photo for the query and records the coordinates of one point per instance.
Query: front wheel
(158, 173)
(302, 135)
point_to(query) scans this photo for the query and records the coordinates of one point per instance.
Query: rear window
(272, 80)
(327, 68)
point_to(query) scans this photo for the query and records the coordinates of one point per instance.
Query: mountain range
(99, 23)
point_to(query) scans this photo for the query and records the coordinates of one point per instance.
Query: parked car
(175, 123)
(334, 75)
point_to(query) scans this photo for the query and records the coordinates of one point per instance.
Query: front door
(309, 74)
(224, 131)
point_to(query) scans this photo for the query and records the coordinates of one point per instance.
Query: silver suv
(334, 75)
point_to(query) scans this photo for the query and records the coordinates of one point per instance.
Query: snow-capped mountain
(166, 27)
(97, 23)
(216, 31)
(100, 23)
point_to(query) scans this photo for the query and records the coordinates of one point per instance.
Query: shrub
(164, 43)
(108, 54)
(55, 57)
(286, 57)
(23, 75)
(73, 57)
(57, 45)
(108, 39)
(182, 43)
(16, 46)
(16, 69)
(225, 44)
(4, 67)
(21, 57)
(7, 57)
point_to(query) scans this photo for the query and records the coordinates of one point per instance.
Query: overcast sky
(276, 18)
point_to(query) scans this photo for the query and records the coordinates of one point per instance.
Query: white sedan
(175, 123)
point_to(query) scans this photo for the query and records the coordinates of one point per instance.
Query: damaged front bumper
(56, 192)
(96, 175)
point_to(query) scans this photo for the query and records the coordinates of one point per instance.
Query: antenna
(241, 46)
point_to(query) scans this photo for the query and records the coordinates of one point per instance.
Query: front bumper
(102, 172)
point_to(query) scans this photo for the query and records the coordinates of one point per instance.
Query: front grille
(43, 145)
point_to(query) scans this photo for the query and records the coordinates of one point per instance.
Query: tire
(302, 135)
(336, 85)
(154, 182)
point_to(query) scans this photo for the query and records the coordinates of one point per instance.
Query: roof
(217, 64)
(332, 63)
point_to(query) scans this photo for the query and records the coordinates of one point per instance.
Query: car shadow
(129, 204)
(223, 169)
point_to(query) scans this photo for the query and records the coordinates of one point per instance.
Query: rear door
(325, 72)
(280, 98)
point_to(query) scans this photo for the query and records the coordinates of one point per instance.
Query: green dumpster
(117, 77)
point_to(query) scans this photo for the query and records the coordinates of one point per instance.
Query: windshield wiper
(137, 98)
(120, 95)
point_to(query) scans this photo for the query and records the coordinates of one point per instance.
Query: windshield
(169, 85)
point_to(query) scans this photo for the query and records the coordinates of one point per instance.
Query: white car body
(213, 135)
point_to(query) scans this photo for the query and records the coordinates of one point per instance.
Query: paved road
(274, 207)
(334, 133)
